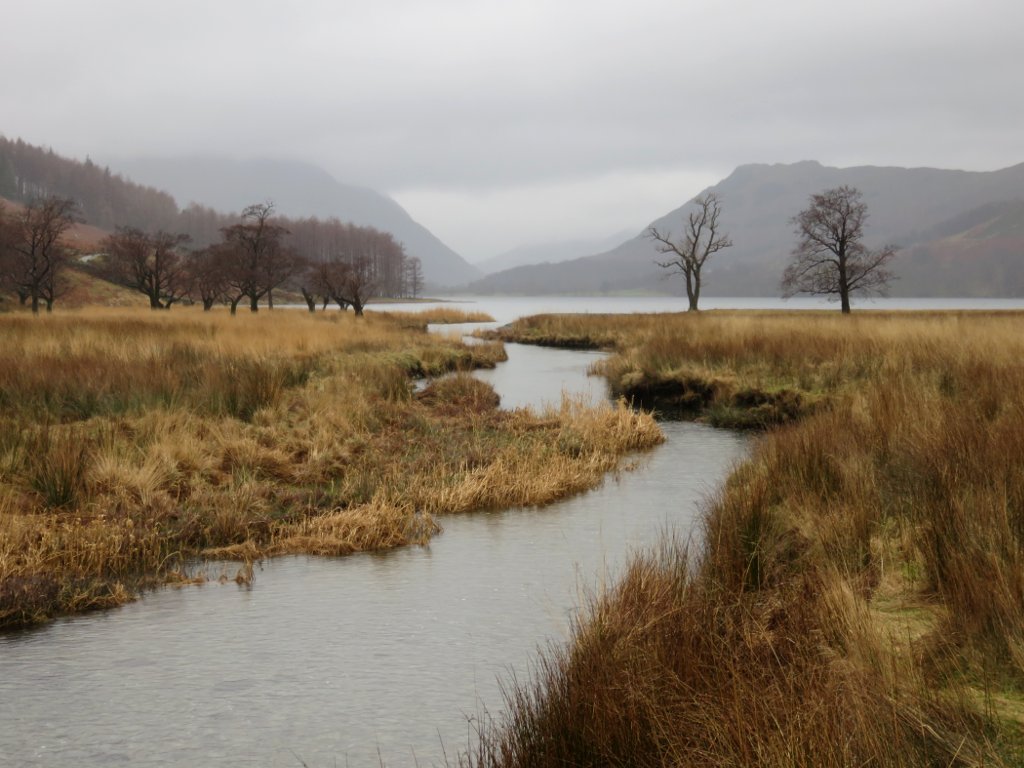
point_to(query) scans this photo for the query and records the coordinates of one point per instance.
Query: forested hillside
(63, 222)
(310, 198)
(104, 199)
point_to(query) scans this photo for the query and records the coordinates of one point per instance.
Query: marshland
(857, 599)
(851, 594)
(133, 442)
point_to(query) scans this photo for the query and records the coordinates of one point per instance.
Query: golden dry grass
(860, 596)
(440, 316)
(130, 440)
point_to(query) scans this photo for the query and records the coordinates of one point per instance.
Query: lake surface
(504, 309)
(361, 660)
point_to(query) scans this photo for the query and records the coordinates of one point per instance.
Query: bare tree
(327, 279)
(358, 284)
(413, 276)
(374, 262)
(151, 264)
(36, 256)
(207, 275)
(702, 238)
(829, 258)
(258, 261)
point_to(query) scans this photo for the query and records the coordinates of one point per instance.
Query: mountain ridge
(759, 201)
(551, 252)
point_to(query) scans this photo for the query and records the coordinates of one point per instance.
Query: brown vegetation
(131, 441)
(859, 598)
(438, 316)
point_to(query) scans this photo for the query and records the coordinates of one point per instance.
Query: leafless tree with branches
(36, 257)
(257, 259)
(829, 258)
(702, 238)
(152, 264)
(413, 276)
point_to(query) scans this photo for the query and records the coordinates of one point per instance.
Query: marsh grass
(859, 599)
(438, 316)
(133, 441)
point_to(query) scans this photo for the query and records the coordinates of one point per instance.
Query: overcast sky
(499, 123)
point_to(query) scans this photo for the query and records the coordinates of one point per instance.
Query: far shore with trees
(326, 261)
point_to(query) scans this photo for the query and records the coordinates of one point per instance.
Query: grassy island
(133, 442)
(859, 596)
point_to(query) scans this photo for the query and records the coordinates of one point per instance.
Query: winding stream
(361, 660)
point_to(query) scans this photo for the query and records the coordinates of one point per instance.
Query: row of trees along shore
(326, 261)
(830, 258)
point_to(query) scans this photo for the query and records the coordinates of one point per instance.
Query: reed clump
(438, 316)
(859, 596)
(132, 441)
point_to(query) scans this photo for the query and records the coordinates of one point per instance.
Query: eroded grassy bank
(132, 440)
(860, 596)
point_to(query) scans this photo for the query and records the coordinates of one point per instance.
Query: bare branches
(702, 238)
(350, 264)
(35, 256)
(152, 264)
(255, 258)
(829, 258)
(413, 277)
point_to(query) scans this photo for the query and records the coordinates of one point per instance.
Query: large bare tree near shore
(829, 258)
(702, 238)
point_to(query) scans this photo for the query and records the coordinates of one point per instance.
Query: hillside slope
(905, 205)
(298, 190)
(979, 253)
(550, 252)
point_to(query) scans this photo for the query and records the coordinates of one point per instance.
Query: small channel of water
(362, 660)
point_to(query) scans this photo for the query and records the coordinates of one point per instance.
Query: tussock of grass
(132, 440)
(861, 580)
(439, 316)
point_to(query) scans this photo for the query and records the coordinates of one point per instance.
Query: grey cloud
(480, 94)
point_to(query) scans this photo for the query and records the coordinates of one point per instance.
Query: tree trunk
(154, 302)
(234, 304)
(692, 291)
(35, 304)
(254, 303)
(270, 299)
(844, 286)
(207, 305)
(310, 300)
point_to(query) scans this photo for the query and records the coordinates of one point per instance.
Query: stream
(376, 658)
